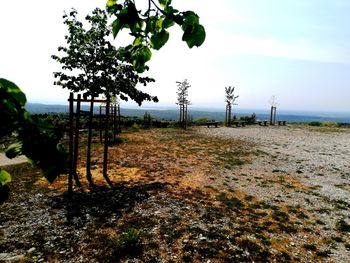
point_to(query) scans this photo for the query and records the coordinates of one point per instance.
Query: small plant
(311, 247)
(323, 253)
(338, 239)
(128, 243)
(343, 226)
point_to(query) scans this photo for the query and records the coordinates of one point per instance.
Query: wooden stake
(88, 156)
(70, 175)
(105, 152)
(76, 142)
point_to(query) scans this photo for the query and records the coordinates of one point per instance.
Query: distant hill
(172, 114)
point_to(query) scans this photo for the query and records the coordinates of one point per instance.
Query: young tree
(149, 27)
(182, 101)
(90, 66)
(89, 62)
(230, 99)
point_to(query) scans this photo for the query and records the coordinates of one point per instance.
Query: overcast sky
(298, 51)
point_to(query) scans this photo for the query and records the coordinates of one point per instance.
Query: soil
(252, 194)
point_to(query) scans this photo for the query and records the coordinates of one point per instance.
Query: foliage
(36, 139)
(315, 123)
(230, 99)
(323, 124)
(128, 243)
(89, 62)
(249, 119)
(182, 92)
(149, 28)
(147, 120)
(5, 177)
(182, 100)
(201, 121)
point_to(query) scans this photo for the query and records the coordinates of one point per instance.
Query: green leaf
(158, 40)
(137, 41)
(151, 24)
(13, 150)
(194, 36)
(164, 3)
(117, 25)
(146, 53)
(140, 56)
(5, 177)
(13, 90)
(167, 22)
(111, 3)
(189, 19)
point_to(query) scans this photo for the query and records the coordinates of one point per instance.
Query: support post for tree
(76, 141)
(114, 122)
(119, 126)
(70, 175)
(100, 123)
(88, 155)
(105, 150)
(273, 115)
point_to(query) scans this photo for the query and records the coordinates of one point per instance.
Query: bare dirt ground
(253, 194)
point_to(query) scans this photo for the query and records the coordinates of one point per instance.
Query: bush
(201, 121)
(329, 124)
(249, 119)
(315, 123)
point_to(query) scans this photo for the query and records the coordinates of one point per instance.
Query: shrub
(128, 243)
(329, 124)
(201, 120)
(315, 123)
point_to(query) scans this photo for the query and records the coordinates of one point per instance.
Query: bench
(282, 122)
(262, 123)
(212, 123)
(239, 123)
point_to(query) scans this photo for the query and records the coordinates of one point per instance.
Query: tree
(230, 99)
(149, 28)
(89, 62)
(90, 65)
(182, 101)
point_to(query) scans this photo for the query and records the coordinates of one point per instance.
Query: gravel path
(303, 169)
(4, 161)
(319, 159)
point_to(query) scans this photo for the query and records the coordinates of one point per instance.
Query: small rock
(31, 250)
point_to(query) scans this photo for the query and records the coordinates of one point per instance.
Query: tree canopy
(90, 64)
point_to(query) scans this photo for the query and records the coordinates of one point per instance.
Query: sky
(297, 51)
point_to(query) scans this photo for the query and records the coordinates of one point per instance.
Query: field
(262, 194)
